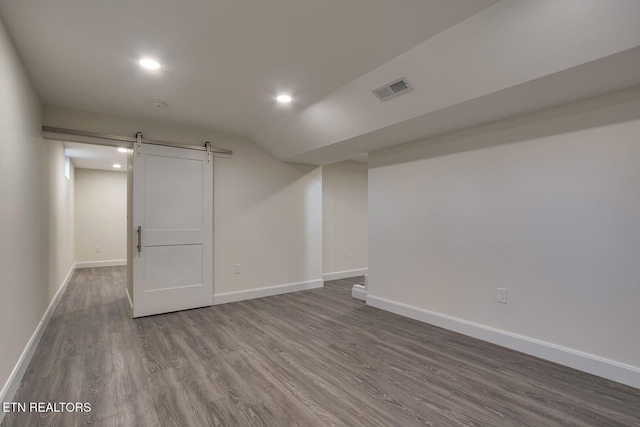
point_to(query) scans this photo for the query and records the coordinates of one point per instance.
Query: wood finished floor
(311, 358)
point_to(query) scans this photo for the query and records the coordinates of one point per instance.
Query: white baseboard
(344, 274)
(606, 368)
(266, 292)
(107, 263)
(359, 292)
(13, 382)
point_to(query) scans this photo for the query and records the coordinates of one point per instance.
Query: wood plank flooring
(311, 358)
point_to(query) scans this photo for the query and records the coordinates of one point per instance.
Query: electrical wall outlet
(347, 255)
(98, 249)
(502, 295)
(236, 269)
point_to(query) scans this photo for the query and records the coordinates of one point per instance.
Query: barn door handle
(139, 239)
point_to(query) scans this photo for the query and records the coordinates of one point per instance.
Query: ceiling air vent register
(393, 89)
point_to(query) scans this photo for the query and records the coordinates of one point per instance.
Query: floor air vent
(393, 89)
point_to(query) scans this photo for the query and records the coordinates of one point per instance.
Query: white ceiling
(223, 60)
(90, 156)
(512, 58)
(469, 62)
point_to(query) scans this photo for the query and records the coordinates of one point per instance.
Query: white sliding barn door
(172, 221)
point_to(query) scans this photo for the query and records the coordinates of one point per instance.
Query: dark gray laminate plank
(586, 409)
(375, 386)
(63, 385)
(98, 387)
(234, 383)
(166, 336)
(597, 420)
(137, 410)
(200, 390)
(598, 416)
(172, 407)
(95, 326)
(65, 380)
(150, 351)
(128, 370)
(269, 389)
(202, 358)
(581, 393)
(105, 422)
(489, 402)
(40, 420)
(262, 416)
(41, 366)
(549, 374)
(192, 375)
(309, 358)
(213, 324)
(350, 388)
(52, 333)
(31, 390)
(263, 368)
(310, 367)
(221, 413)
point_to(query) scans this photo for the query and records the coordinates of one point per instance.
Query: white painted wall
(24, 219)
(344, 214)
(267, 214)
(267, 218)
(62, 253)
(545, 205)
(100, 215)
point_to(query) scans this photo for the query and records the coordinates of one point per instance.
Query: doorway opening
(170, 269)
(100, 211)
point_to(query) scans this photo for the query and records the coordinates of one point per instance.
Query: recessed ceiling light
(284, 98)
(122, 150)
(149, 64)
(117, 165)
